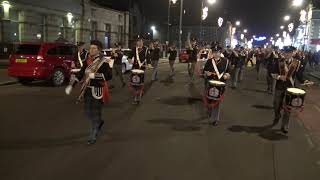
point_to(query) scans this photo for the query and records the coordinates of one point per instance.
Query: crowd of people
(284, 69)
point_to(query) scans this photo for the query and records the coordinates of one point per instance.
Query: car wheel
(123, 68)
(25, 81)
(58, 77)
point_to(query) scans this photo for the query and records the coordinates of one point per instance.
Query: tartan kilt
(92, 106)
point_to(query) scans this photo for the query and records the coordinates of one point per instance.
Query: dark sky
(260, 17)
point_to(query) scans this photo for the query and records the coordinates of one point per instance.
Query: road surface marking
(317, 108)
(310, 142)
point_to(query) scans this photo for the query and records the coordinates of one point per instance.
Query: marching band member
(238, 63)
(155, 57)
(216, 68)
(285, 71)
(172, 57)
(95, 72)
(271, 58)
(117, 65)
(192, 52)
(139, 53)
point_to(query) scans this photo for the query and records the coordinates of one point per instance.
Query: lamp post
(180, 24)
(169, 5)
(204, 14)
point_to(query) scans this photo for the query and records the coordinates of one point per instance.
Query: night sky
(260, 17)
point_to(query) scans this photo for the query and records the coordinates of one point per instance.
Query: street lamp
(238, 23)
(153, 28)
(297, 3)
(220, 21)
(286, 18)
(204, 14)
(69, 17)
(168, 33)
(277, 35)
(212, 1)
(281, 27)
(6, 7)
(245, 30)
(290, 27)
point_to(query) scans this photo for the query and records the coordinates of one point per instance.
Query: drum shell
(214, 87)
(289, 98)
(133, 78)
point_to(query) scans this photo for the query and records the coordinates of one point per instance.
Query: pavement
(43, 134)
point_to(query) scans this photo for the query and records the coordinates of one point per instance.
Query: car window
(53, 51)
(66, 50)
(30, 49)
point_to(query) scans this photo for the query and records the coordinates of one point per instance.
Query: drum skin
(295, 97)
(215, 90)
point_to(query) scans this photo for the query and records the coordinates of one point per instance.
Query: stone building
(68, 20)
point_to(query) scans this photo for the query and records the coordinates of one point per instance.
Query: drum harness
(215, 102)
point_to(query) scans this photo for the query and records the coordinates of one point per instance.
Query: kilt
(92, 108)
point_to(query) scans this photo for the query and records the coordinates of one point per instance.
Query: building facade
(70, 20)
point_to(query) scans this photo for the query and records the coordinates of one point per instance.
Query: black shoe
(214, 124)
(91, 141)
(100, 125)
(275, 122)
(284, 130)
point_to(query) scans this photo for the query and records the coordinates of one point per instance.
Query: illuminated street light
(277, 35)
(153, 28)
(281, 27)
(245, 31)
(286, 18)
(238, 23)
(290, 27)
(174, 1)
(69, 17)
(220, 21)
(212, 1)
(297, 3)
(6, 7)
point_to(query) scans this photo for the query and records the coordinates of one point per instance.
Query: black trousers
(92, 109)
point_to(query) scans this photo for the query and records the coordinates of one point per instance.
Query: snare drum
(137, 77)
(295, 97)
(215, 90)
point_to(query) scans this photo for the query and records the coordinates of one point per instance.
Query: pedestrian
(259, 61)
(95, 73)
(155, 57)
(238, 63)
(192, 52)
(286, 70)
(271, 58)
(138, 59)
(117, 65)
(216, 68)
(172, 57)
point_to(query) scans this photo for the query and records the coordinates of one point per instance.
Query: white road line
(310, 142)
(317, 108)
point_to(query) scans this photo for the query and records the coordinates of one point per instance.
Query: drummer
(138, 59)
(285, 71)
(216, 68)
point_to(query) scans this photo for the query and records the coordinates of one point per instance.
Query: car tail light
(40, 58)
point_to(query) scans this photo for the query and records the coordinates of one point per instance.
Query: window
(28, 49)
(53, 51)
(93, 30)
(66, 50)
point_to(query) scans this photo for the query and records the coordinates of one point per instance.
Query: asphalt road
(43, 135)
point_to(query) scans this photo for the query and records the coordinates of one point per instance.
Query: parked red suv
(46, 61)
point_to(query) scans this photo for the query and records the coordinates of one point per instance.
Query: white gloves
(91, 76)
(68, 89)
(226, 76)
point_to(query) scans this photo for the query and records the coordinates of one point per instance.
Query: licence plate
(21, 60)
